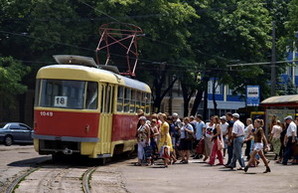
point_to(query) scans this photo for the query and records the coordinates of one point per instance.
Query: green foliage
(166, 22)
(292, 23)
(228, 32)
(198, 38)
(11, 74)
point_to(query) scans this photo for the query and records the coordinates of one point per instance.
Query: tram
(83, 109)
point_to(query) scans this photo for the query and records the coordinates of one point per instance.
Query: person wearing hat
(238, 139)
(143, 138)
(290, 139)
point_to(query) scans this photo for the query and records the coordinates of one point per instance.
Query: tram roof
(79, 72)
(285, 99)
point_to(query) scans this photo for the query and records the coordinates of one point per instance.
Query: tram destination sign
(252, 95)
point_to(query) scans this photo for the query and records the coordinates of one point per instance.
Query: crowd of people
(170, 138)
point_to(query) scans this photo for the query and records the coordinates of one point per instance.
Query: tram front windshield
(70, 94)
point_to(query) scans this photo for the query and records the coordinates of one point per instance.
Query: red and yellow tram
(82, 109)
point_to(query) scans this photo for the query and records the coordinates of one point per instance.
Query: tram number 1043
(60, 101)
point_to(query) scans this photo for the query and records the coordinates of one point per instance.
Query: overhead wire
(113, 18)
(164, 42)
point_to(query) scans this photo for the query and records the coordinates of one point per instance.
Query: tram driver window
(92, 95)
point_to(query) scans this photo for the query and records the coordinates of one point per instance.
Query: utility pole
(273, 62)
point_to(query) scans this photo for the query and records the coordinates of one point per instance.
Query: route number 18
(60, 101)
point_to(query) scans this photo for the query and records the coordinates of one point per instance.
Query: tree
(11, 74)
(166, 36)
(291, 25)
(230, 31)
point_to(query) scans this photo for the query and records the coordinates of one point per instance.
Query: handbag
(189, 136)
(148, 151)
(200, 147)
(220, 145)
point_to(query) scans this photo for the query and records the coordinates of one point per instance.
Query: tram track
(68, 177)
(86, 179)
(52, 178)
(16, 181)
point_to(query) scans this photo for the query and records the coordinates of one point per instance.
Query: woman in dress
(143, 137)
(275, 138)
(217, 143)
(259, 137)
(165, 139)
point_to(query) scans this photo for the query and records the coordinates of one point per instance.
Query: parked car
(15, 133)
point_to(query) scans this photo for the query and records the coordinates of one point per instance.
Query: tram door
(106, 109)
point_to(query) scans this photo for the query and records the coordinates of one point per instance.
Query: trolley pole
(273, 62)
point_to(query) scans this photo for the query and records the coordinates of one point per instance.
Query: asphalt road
(200, 177)
(123, 176)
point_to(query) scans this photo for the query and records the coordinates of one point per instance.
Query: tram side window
(143, 101)
(120, 98)
(127, 97)
(133, 101)
(92, 95)
(138, 101)
(148, 102)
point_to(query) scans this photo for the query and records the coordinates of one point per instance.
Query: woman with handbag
(143, 138)
(165, 141)
(217, 143)
(187, 134)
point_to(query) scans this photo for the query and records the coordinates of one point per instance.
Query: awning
(280, 100)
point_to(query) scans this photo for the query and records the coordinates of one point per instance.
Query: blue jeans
(230, 153)
(237, 152)
(288, 151)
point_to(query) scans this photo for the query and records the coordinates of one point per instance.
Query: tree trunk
(213, 97)
(205, 109)
(187, 93)
(185, 98)
(199, 96)
(197, 102)
(159, 95)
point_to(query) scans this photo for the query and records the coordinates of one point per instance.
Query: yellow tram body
(99, 131)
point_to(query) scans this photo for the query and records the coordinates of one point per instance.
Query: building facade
(225, 99)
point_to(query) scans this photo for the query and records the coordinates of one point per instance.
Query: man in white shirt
(290, 139)
(238, 138)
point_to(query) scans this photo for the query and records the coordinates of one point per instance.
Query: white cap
(288, 117)
(143, 118)
(223, 118)
(175, 115)
(236, 115)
